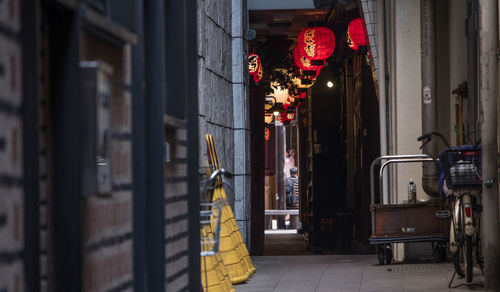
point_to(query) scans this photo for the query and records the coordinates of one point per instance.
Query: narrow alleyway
(285, 244)
(327, 273)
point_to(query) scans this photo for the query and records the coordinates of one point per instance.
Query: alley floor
(325, 273)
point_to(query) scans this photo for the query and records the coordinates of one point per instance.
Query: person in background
(292, 189)
(289, 162)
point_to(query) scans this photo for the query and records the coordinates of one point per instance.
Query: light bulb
(329, 84)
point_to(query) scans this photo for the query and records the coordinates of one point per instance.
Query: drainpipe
(139, 152)
(280, 173)
(488, 76)
(429, 100)
(154, 75)
(382, 112)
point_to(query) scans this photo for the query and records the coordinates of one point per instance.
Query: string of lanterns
(314, 46)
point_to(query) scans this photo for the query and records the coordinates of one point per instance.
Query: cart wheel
(388, 255)
(380, 254)
(439, 253)
(442, 253)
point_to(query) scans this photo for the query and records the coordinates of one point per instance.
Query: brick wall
(176, 211)
(11, 150)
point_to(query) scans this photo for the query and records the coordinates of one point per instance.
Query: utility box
(96, 127)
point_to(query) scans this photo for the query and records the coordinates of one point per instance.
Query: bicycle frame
(462, 219)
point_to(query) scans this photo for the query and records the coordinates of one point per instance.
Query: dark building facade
(99, 167)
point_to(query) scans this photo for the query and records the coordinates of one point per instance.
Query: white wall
(405, 95)
(406, 89)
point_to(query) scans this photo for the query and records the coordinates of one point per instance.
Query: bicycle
(460, 181)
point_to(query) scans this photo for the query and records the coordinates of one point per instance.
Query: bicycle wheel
(457, 263)
(468, 258)
(479, 258)
(458, 256)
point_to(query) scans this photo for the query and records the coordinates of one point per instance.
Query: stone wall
(11, 150)
(223, 95)
(241, 117)
(215, 92)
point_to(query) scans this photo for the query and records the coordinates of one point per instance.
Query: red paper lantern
(303, 62)
(316, 43)
(308, 77)
(286, 106)
(255, 67)
(309, 74)
(356, 35)
(286, 117)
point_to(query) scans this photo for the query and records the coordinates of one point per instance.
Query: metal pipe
(429, 100)
(193, 134)
(378, 159)
(139, 153)
(381, 77)
(280, 173)
(399, 161)
(154, 36)
(488, 77)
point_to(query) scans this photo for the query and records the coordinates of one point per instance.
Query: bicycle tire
(468, 259)
(456, 264)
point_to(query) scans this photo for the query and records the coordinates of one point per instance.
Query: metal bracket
(489, 182)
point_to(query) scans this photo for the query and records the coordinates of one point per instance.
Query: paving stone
(326, 273)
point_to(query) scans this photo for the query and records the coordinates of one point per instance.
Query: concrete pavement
(325, 273)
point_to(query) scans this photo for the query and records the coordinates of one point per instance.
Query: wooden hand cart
(401, 223)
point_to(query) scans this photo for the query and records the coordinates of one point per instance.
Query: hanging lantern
(306, 78)
(356, 35)
(301, 95)
(303, 83)
(282, 117)
(281, 94)
(316, 43)
(267, 134)
(255, 67)
(286, 116)
(309, 74)
(257, 77)
(286, 106)
(303, 62)
(268, 118)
